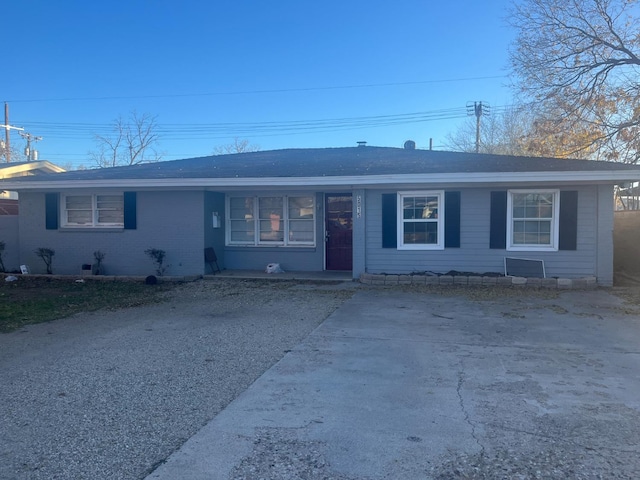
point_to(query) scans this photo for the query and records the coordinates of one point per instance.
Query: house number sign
(358, 206)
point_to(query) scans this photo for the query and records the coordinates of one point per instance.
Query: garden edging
(557, 283)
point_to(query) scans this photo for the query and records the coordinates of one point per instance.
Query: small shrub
(46, 254)
(97, 266)
(158, 257)
(2, 245)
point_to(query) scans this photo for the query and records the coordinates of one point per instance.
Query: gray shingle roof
(336, 162)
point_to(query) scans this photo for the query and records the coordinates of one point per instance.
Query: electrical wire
(259, 92)
(186, 131)
(81, 131)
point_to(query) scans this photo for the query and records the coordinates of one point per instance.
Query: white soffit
(461, 179)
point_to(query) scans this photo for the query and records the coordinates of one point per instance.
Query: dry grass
(40, 299)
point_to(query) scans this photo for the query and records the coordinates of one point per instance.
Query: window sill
(270, 247)
(90, 229)
(421, 247)
(532, 248)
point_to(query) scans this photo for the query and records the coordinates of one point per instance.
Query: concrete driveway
(405, 385)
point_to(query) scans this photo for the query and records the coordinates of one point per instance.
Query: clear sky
(281, 74)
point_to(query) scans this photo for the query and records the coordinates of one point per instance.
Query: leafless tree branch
(133, 141)
(581, 59)
(237, 146)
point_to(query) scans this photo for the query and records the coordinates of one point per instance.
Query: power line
(263, 91)
(176, 132)
(267, 128)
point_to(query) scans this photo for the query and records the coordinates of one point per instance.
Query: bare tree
(237, 146)
(464, 138)
(69, 166)
(133, 141)
(500, 133)
(507, 132)
(520, 130)
(580, 59)
(16, 154)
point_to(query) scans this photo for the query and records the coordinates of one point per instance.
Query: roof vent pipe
(409, 145)
(362, 144)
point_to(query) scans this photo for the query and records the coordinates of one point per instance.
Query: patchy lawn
(39, 299)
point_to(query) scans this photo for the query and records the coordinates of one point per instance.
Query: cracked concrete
(466, 413)
(442, 384)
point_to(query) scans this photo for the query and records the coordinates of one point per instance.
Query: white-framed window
(421, 220)
(287, 220)
(93, 210)
(532, 220)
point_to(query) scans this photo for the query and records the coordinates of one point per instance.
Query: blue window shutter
(51, 208)
(568, 232)
(498, 220)
(389, 220)
(452, 219)
(130, 219)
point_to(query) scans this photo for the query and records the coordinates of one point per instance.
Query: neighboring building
(9, 205)
(24, 169)
(363, 209)
(628, 197)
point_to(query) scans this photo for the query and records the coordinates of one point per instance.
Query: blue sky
(280, 74)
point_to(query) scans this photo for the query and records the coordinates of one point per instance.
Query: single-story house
(360, 209)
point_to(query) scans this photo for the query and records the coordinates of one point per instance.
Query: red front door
(339, 231)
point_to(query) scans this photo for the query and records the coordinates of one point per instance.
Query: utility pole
(7, 129)
(30, 154)
(478, 109)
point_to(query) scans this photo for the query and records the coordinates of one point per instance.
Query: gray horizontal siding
(214, 237)
(604, 254)
(299, 259)
(170, 221)
(474, 254)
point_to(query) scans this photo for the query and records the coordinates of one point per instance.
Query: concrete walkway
(402, 385)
